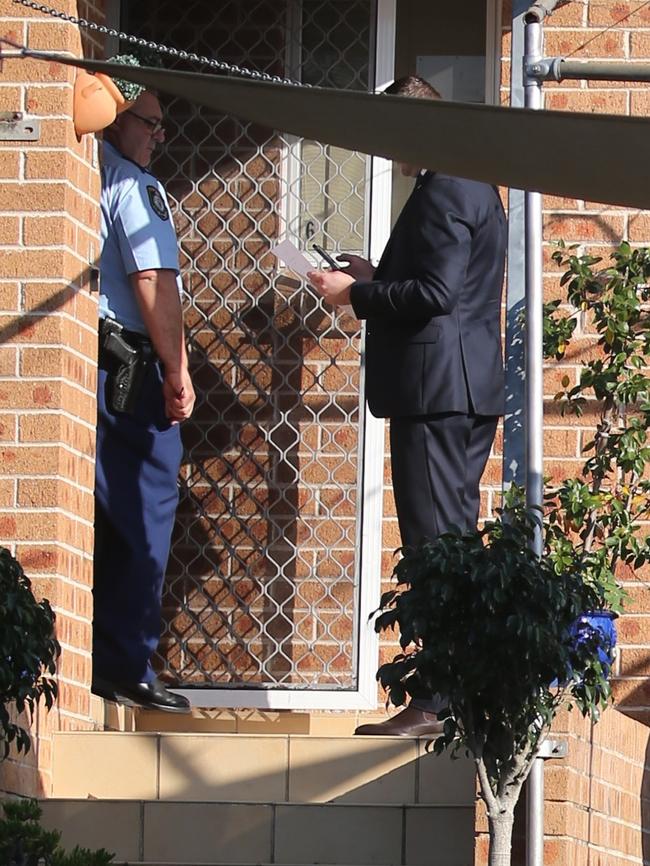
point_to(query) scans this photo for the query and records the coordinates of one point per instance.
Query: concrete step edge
(283, 803)
(360, 741)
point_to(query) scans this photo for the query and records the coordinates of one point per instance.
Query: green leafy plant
(493, 627)
(595, 520)
(23, 842)
(28, 652)
(490, 625)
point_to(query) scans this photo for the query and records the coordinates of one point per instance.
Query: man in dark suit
(433, 357)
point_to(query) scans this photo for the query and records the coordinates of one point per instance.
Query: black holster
(125, 355)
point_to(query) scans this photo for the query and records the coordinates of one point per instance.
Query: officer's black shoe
(151, 696)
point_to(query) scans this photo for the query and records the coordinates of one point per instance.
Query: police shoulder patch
(157, 203)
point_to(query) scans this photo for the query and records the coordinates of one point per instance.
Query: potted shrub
(28, 652)
(488, 624)
(502, 632)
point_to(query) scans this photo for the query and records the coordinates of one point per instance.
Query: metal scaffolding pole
(558, 69)
(534, 397)
(534, 305)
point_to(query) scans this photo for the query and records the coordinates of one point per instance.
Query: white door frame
(493, 38)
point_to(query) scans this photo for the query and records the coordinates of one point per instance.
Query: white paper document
(293, 258)
(299, 264)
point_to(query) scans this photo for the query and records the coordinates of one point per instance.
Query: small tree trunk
(500, 825)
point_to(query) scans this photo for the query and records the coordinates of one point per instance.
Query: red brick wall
(48, 241)
(597, 801)
(604, 31)
(595, 30)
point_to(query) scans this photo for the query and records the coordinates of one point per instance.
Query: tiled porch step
(194, 834)
(258, 768)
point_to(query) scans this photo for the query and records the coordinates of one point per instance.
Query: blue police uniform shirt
(137, 234)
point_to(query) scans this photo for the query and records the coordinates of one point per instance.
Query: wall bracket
(554, 749)
(14, 127)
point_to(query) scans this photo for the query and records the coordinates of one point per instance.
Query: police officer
(144, 391)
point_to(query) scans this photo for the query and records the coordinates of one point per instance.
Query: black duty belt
(133, 338)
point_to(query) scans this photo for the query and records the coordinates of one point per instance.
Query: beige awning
(597, 157)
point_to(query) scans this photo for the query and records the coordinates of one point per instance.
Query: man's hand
(360, 269)
(333, 286)
(178, 392)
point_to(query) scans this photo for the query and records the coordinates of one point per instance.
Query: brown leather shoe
(410, 722)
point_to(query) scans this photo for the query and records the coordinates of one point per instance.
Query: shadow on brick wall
(23, 323)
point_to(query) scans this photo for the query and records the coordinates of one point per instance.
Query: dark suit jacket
(433, 307)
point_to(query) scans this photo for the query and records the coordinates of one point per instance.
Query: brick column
(596, 799)
(616, 31)
(48, 316)
(596, 31)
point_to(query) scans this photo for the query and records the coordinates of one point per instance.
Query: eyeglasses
(154, 126)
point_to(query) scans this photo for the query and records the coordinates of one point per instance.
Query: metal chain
(220, 65)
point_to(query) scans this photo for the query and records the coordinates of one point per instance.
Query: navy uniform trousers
(136, 495)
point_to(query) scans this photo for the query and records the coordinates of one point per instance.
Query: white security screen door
(276, 555)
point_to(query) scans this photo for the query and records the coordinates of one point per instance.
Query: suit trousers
(136, 494)
(437, 462)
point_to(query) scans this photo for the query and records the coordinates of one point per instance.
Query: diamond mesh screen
(263, 578)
